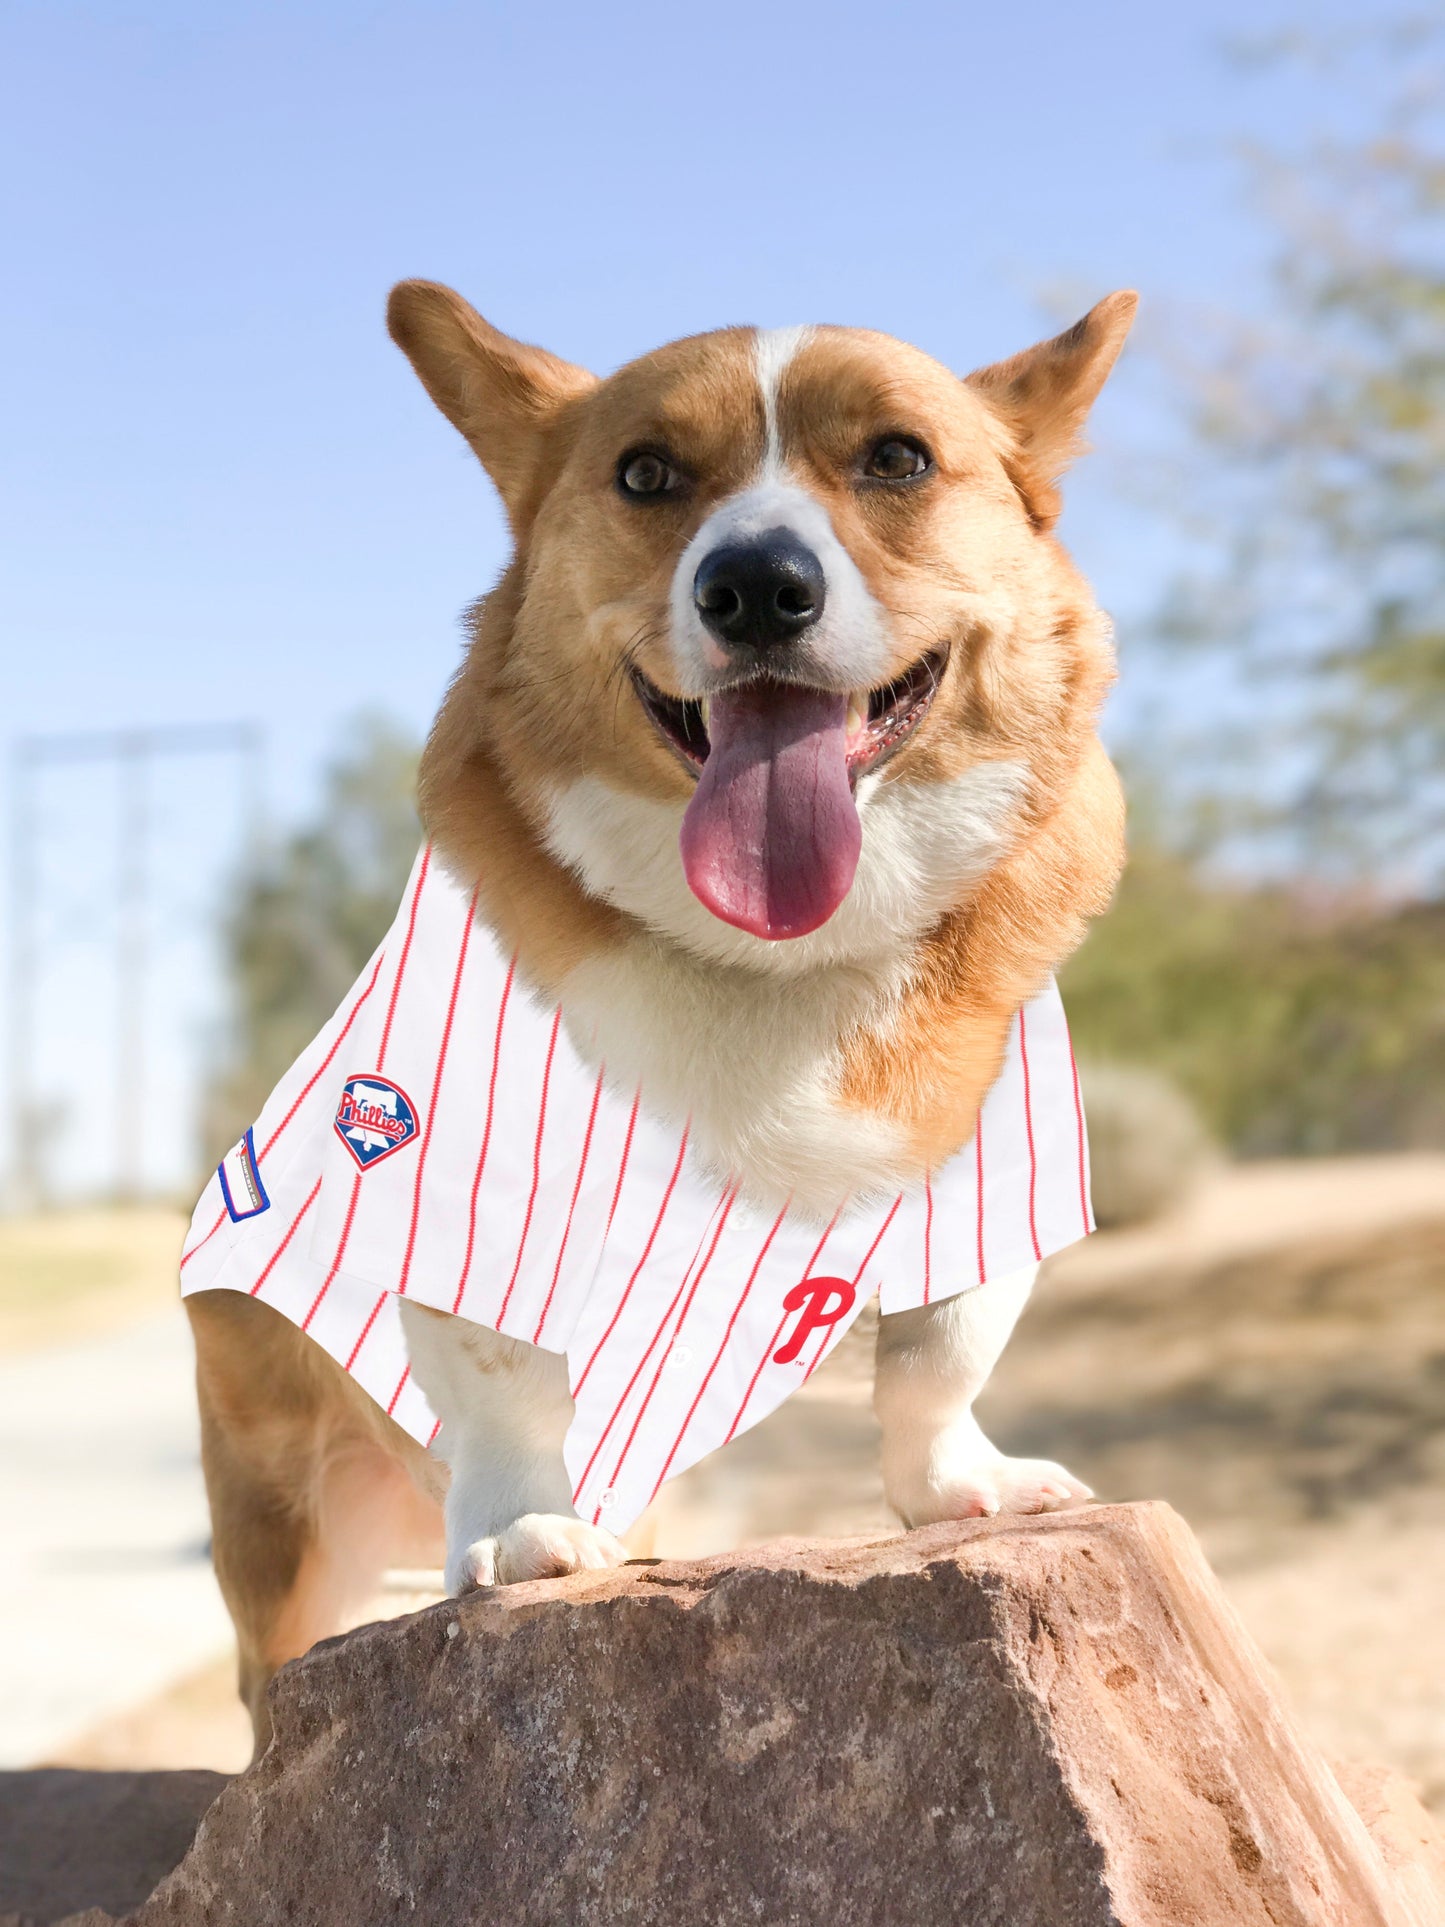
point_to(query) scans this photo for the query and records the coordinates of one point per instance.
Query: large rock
(1043, 1723)
(1410, 1843)
(70, 1841)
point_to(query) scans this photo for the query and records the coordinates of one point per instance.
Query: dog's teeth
(857, 715)
(706, 707)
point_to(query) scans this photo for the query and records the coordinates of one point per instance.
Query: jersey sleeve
(1017, 1191)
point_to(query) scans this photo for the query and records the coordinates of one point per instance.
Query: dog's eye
(898, 459)
(644, 473)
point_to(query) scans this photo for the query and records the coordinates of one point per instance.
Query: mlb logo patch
(241, 1186)
(374, 1118)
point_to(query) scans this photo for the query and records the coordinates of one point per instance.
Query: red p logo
(822, 1301)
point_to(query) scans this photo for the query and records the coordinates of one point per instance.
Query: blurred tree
(305, 917)
(1317, 474)
(1323, 476)
(1296, 1025)
(1306, 1014)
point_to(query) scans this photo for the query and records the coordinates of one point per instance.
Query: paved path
(107, 1592)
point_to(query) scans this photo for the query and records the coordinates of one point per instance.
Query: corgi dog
(773, 761)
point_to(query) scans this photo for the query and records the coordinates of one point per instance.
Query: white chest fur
(751, 1060)
(746, 1037)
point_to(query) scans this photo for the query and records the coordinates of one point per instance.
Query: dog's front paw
(982, 1490)
(539, 1545)
(959, 1474)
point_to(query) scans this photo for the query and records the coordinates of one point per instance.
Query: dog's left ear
(1044, 396)
(503, 395)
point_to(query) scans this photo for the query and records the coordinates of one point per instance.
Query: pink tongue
(771, 837)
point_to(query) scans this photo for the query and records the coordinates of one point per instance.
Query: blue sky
(223, 494)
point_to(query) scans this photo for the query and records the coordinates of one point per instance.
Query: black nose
(760, 592)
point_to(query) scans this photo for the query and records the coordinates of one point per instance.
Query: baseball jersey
(443, 1140)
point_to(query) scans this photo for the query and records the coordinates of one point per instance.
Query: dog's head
(787, 649)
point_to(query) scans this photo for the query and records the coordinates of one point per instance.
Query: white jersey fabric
(442, 1140)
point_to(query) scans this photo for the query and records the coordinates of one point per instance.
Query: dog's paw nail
(476, 1568)
(543, 1545)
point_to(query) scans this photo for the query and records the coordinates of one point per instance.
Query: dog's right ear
(503, 395)
(1045, 394)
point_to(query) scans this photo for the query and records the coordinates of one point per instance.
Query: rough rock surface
(73, 1841)
(1409, 1839)
(1012, 1723)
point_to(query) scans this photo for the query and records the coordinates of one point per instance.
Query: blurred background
(237, 539)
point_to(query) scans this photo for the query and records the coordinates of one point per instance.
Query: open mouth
(879, 721)
(771, 838)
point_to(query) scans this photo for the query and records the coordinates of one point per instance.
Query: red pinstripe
(432, 1435)
(729, 1201)
(340, 1253)
(405, 954)
(435, 1094)
(291, 1233)
(978, 1185)
(752, 1382)
(622, 1167)
(380, 1061)
(768, 1349)
(1029, 1127)
(717, 1356)
(400, 1388)
(572, 1206)
(1079, 1121)
(366, 1330)
(928, 1239)
(310, 1085)
(882, 1233)
(486, 1139)
(536, 1165)
(832, 1331)
(326, 1061)
(186, 1256)
(641, 1364)
(646, 1254)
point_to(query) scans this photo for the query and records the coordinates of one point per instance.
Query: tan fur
(970, 562)
(313, 1489)
(484, 834)
(932, 1069)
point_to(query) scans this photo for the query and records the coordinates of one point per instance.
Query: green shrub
(1148, 1148)
(1294, 1025)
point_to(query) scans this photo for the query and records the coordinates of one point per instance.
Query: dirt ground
(1271, 1360)
(76, 1274)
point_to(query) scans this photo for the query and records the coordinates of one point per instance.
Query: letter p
(822, 1301)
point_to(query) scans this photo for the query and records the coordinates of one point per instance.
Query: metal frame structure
(133, 753)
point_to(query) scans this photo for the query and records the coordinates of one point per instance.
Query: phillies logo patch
(822, 1302)
(374, 1118)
